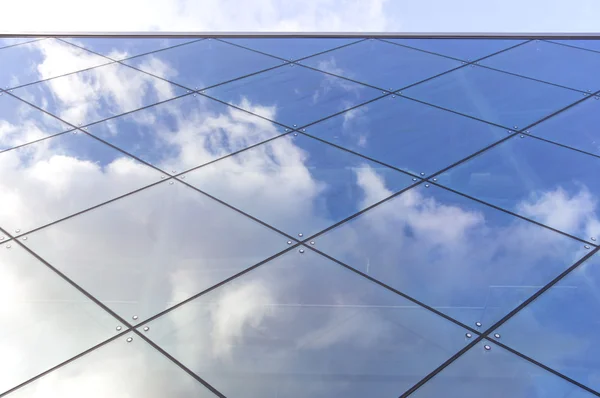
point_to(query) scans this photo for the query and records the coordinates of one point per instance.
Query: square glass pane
(95, 94)
(567, 66)
(303, 326)
(381, 64)
(121, 48)
(560, 328)
(465, 259)
(44, 320)
(294, 95)
(550, 184)
(507, 100)
(407, 134)
(298, 184)
(577, 127)
(185, 132)
(118, 369)
(203, 63)
(148, 251)
(587, 44)
(55, 178)
(43, 59)
(291, 48)
(465, 49)
(497, 373)
(21, 123)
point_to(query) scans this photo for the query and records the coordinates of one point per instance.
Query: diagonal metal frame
(419, 182)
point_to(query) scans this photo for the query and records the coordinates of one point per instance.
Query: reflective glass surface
(298, 184)
(510, 101)
(292, 49)
(121, 48)
(463, 258)
(54, 178)
(20, 123)
(282, 217)
(497, 373)
(577, 127)
(567, 66)
(563, 318)
(406, 134)
(465, 49)
(44, 319)
(186, 132)
(95, 94)
(203, 63)
(381, 64)
(302, 326)
(43, 59)
(117, 369)
(529, 177)
(294, 95)
(151, 250)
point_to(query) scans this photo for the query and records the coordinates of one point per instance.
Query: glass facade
(299, 217)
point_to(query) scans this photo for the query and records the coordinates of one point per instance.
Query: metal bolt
(129, 339)
(162, 177)
(522, 136)
(586, 246)
(135, 317)
(468, 335)
(400, 92)
(478, 324)
(182, 177)
(586, 94)
(497, 335)
(426, 185)
(17, 231)
(312, 242)
(301, 251)
(384, 92)
(119, 328)
(1, 237)
(304, 130)
(592, 238)
(194, 94)
(170, 182)
(527, 131)
(289, 242)
(300, 234)
(487, 347)
(146, 328)
(25, 238)
(393, 96)
(434, 179)
(295, 125)
(422, 174)
(295, 134)
(8, 246)
(597, 98)
(414, 179)
(515, 127)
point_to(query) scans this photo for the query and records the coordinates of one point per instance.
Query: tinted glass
(57, 177)
(298, 184)
(186, 132)
(121, 48)
(529, 177)
(13, 41)
(407, 134)
(465, 49)
(567, 66)
(294, 95)
(148, 251)
(562, 318)
(587, 44)
(496, 97)
(291, 49)
(497, 374)
(45, 320)
(463, 258)
(203, 63)
(381, 64)
(302, 326)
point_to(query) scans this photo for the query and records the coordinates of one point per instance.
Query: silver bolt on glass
(146, 328)
(522, 136)
(18, 230)
(487, 347)
(414, 179)
(426, 185)
(300, 234)
(289, 242)
(301, 251)
(171, 183)
(497, 335)
(8, 246)
(468, 335)
(592, 238)
(422, 174)
(312, 242)
(118, 328)
(587, 246)
(295, 134)
(478, 324)
(434, 179)
(25, 238)
(135, 317)
(129, 339)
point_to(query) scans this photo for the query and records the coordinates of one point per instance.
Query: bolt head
(146, 328)
(593, 238)
(422, 174)
(312, 242)
(478, 324)
(129, 339)
(426, 185)
(468, 335)
(118, 328)
(414, 179)
(497, 335)
(487, 347)
(300, 234)
(135, 317)
(587, 246)
(301, 251)
(289, 242)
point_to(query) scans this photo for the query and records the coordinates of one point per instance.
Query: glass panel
(203, 63)
(303, 326)
(576, 127)
(291, 48)
(54, 178)
(497, 374)
(382, 64)
(463, 258)
(13, 41)
(21, 123)
(465, 49)
(43, 59)
(186, 132)
(560, 329)
(407, 134)
(117, 369)
(121, 48)
(588, 44)
(148, 251)
(551, 62)
(44, 319)
(536, 179)
(494, 96)
(294, 95)
(98, 93)
(298, 184)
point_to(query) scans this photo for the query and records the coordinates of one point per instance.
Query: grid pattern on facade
(299, 217)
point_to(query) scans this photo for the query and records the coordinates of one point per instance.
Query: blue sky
(312, 15)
